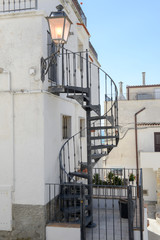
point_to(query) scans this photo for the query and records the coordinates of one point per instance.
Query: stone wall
(158, 190)
(29, 223)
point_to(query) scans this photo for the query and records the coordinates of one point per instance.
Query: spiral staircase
(82, 81)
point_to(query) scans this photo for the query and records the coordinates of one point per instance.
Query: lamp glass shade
(59, 25)
(56, 28)
(67, 29)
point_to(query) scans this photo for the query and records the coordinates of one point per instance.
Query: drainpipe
(136, 140)
(2, 70)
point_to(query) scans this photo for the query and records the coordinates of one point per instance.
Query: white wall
(124, 155)
(150, 160)
(21, 44)
(29, 149)
(149, 183)
(54, 109)
(70, 232)
(6, 141)
(31, 126)
(137, 235)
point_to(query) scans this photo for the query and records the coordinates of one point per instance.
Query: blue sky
(126, 36)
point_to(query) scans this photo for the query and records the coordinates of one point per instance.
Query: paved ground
(111, 226)
(154, 227)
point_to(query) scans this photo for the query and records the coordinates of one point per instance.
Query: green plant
(112, 179)
(117, 180)
(110, 175)
(132, 177)
(96, 179)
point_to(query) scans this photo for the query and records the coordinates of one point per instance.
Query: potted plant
(132, 177)
(110, 178)
(96, 179)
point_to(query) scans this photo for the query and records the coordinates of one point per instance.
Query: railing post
(87, 73)
(50, 202)
(89, 165)
(62, 66)
(82, 214)
(141, 205)
(89, 160)
(99, 94)
(130, 213)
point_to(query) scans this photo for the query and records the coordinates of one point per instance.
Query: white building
(33, 121)
(37, 116)
(142, 102)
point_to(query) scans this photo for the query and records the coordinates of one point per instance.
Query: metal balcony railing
(150, 95)
(76, 72)
(17, 5)
(117, 212)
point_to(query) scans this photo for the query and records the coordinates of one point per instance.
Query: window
(145, 192)
(52, 73)
(157, 141)
(144, 96)
(66, 125)
(82, 126)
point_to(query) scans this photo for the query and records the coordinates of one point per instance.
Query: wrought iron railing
(17, 5)
(117, 210)
(76, 72)
(137, 95)
(116, 176)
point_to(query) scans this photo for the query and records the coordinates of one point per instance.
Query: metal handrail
(18, 5)
(106, 74)
(113, 105)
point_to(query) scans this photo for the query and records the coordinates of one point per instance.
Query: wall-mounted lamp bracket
(59, 25)
(46, 63)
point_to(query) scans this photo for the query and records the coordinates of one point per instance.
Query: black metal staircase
(80, 81)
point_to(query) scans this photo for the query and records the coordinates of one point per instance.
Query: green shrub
(96, 179)
(112, 179)
(132, 177)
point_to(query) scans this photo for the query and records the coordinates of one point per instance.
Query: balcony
(17, 5)
(93, 50)
(117, 206)
(149, 160)
(80, 11)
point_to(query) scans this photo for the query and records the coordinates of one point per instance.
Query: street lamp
(59, 25)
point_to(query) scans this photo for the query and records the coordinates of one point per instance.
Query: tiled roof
(149, 124)
(141, 86)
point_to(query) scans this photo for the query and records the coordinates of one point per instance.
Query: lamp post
(59, 26)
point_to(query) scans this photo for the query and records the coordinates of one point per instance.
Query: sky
(126, 36)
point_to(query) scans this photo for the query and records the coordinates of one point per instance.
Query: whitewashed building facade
(143, 102)
(37, 117)
(31, 118)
